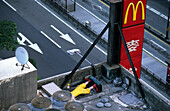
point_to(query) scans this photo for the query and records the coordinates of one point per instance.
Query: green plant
(8, 32)
(33, 62)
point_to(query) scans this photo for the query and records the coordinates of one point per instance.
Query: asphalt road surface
(41, 26)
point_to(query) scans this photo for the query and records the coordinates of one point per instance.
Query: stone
(117, 81)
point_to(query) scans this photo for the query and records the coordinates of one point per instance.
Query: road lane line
(70, 27)
(153, 42)
(104, 3)
(155, 29)
(64, 36)
(9, 5)
(157, 38)
(154, 57)
(52, 26)
(156, 12)
(50, 39)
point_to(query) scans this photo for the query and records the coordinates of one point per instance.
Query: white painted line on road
(64, 36)
(50, 39)
(90, 13)
(156, 12)
(52, 26)
(69, 26)
(159, 60)
(9, 5)
(153, 42)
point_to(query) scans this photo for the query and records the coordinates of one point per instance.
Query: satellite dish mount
(23, 66)
(22, 57)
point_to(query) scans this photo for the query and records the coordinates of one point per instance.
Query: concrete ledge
(79, 75)
(16, 85)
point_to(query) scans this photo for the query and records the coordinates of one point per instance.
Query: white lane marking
(50, 39)
(156, 12)
(9, 5)
(70, 26)
(90, 13)
(153, 42)
(32, 45)
(165, 64)
(52, 26)
(64, 36)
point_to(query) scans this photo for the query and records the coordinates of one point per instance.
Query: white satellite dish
(22, 56)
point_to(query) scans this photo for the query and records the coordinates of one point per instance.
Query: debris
(117, 81)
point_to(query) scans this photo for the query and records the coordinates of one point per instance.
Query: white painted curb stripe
(156, 12)
(155, 57)
(9, 5)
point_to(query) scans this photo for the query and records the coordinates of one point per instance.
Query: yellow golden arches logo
(134, 11)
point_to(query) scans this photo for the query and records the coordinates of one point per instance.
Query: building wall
(16, 86)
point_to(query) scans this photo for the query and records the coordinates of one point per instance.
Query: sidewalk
(95, 23)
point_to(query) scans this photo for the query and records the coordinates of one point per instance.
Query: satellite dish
(22, 56)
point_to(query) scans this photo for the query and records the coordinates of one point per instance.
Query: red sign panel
(133, 12)
(136, 63)
(134, 40)
(133, 31)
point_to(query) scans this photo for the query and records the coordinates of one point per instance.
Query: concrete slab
(50, 88)
(9, 69)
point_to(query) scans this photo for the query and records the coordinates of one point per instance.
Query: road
(46, 28)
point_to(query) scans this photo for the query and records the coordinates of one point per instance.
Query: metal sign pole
(113, 51)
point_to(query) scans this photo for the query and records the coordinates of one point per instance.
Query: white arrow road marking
(70, 27)
(50, 39)
(64, 36)
(52, 26)
(9, 5)
(33, 46)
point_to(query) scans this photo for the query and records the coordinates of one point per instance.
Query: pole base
(110, 72)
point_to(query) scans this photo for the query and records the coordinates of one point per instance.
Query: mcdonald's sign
(133, 12)
(132, 22)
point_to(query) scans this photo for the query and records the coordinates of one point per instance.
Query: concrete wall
(16, 86)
